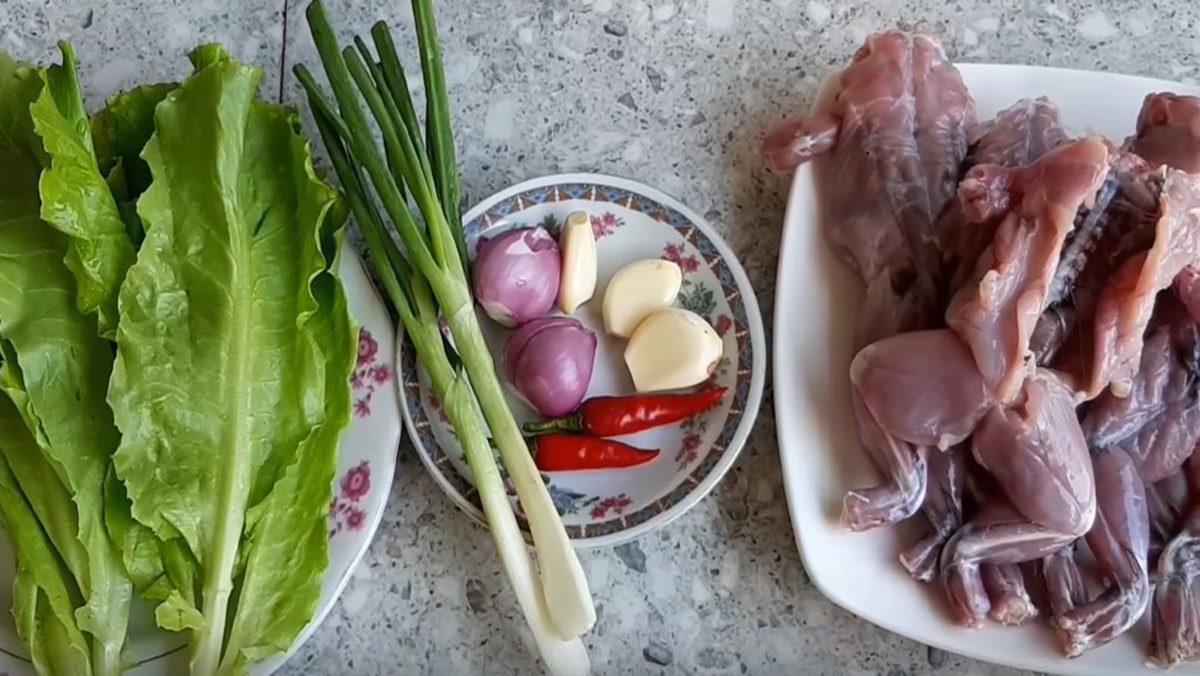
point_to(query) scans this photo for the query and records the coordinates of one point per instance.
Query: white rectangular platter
(816, 301)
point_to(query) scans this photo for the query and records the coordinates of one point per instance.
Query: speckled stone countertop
(675, 93)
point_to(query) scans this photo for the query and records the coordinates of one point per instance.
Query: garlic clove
(638, 290)
(578, 245)
(672, 348)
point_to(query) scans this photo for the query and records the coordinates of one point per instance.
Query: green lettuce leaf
(282, 578)
(44, 489)
(137, 544)
(233, 357)
(56, 364)
(118, 185)
(75, 197)
(102, 228)
(44, 594)
(121, 129)
(119, 132)
(158, 568)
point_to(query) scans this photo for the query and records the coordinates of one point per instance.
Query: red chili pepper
(568, 452)
(614, 416)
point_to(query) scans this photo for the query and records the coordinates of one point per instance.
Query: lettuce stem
(234, 477)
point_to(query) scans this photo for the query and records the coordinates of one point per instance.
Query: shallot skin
(548, 362)
(516, 275)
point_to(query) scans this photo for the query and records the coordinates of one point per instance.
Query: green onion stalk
(428, 280)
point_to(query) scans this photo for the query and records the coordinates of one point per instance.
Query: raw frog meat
(1166, 506)
(1119, 541)
(888, 137)
(1142, 231)
(1168, 132)
(931, 388)
(1033, 447)
(1017, 136)
(1157, 423)
(1138, 442)
(942, 507)
(1138, 253)
(1144, 427)
(996, 311)
(884, 376)
(1175, 614)
(892, 127)
(1014, 280)
(1030, 439)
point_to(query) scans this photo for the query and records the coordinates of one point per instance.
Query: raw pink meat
(1016, 137)
(895, 425)
(1175, 615)
(1036, 452)
(888, 137)
(1119, 540)
(1109, 352)
(995, 313)
(1168, 132)
(1010, 275)
(943, 507)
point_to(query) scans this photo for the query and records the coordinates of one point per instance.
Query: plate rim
(791, 465)
(758, 362)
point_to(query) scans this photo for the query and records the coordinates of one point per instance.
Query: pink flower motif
(605, 225)
(356, 519)
(362, 408)
(367, 347)
(674, 253)
(689, 450)
(381, 374)
(687, 457)
(357, 482)
(356, 379)
(615, 504)
(723, 324)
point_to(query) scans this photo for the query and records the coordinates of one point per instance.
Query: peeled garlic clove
(638, 290)
(578, 246)
(672, 348)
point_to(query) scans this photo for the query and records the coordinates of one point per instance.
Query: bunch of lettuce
(175, 351)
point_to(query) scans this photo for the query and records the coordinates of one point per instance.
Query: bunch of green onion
(427, 279)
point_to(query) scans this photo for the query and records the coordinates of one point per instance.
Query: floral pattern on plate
(369, 373)
(630, 222)
(345, 512)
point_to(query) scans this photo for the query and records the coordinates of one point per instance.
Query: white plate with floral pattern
(366, 463)
(631, 221)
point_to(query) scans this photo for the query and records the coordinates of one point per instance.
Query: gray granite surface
(675, 93)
